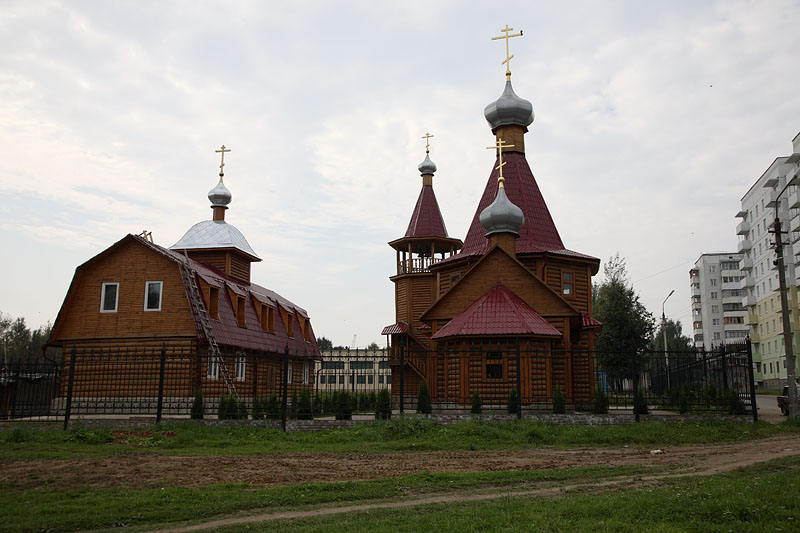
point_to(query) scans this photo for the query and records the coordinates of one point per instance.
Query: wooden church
(511, 306)
(224, 333)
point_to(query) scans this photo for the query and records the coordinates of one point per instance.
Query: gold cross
(222, 162)
(509, 55)
(499, 145)
(427, 138)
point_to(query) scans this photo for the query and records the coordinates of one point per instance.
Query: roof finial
(222, 162)
(499, 145)
(509, 56)
(427, 138)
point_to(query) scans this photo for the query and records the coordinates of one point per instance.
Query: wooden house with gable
(512, 288)
(225, 334)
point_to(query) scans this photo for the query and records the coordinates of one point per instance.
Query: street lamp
(787, 328)
(664, 331)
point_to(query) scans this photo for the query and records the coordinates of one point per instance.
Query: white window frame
(160, 294)
(306, 373)
(212, 372)
(103, 297)
(289, 372)
(241, 367)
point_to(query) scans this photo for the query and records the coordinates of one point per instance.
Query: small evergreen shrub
(600, 406)
(640, 404)
(242, 411)
(198, 409)
(735, 404)
(344, 409)
(316, 405)
(424, 399)
(477, 404)
(293, 407)
(383, 405)
(273, 407)
(513, 402)
(259, 405)
(559, 403)
(684, 400)
(304, 411)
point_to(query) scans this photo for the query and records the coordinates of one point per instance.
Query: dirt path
(699, 460)
(295, 468)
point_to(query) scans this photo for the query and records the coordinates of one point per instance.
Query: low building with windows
(718, 316)
(197, 300)
(353, 370)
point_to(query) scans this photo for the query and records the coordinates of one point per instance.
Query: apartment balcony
(742, 213)
(794, 198)
(696, 292)
(755, 337)
(743, 228)
(751, 319)
(746, 282)
(772, 196)
(696, 305)
(748, 301)
(746, 264)
(744, 245)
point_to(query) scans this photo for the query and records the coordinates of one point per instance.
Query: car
(783, 399)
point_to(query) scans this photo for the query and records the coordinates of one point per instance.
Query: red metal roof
(426, 220)
(394, 329)
(498, 312)
(539, 233)
(590, 322)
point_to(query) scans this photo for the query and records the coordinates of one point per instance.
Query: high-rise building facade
(768, 198)
(718, 316)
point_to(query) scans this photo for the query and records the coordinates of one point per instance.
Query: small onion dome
(502, 216)
(427, 166)
(509, 109)
(220, 196)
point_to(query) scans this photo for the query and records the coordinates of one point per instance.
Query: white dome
(210, 234)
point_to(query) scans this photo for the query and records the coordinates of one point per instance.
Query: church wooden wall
(413, 296)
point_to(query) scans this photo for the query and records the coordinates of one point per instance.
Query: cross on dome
(222, 151)
(427, 138)
(509, 56)
(499, 145)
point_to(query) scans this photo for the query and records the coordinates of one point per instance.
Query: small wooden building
(224, 334)
(463, 319)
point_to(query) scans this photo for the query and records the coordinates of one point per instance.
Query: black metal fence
(182, 383)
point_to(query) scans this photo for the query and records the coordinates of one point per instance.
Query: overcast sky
(652, 121)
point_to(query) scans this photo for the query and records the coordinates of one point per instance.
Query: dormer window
(109, 298)
(290, 325)
(240, 311)
(152, 295)
(213, 302)
(267, 318)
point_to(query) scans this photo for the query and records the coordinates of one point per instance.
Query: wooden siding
(131, 266)
(240, 268)
(216, 258)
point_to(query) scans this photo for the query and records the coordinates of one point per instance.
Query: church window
(212, 372)
(494, 365)
(240, 311)
(241, 367)
(213, 302)
(109, 298)
(305, 372)
(566, 283)
(152, 295)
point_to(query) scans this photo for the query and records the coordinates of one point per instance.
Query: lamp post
(664, 332)
(787, 328)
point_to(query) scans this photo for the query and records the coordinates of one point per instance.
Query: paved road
(768, 408)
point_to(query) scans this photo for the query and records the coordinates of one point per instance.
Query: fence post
(519, 384)
(285, 386)
(160, 404)
(724, 366)
(635, 386)
(753, 405)
(402, 371)
(68, 409)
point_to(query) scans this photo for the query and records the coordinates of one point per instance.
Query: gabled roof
(426, 220)
(538, 233)
(498, 312)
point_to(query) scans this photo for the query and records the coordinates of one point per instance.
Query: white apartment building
(757, 246)
(718, 316)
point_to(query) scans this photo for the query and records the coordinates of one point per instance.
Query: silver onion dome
(427, 166)
(509, 109)
(220, 196)
(502, 216)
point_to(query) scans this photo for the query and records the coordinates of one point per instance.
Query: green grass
(770, 392)
(85, 508)
(409, 434)
(760, 498)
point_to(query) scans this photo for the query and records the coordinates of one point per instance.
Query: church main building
(464, 312)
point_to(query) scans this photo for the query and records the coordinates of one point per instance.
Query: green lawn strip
(759, 498)
(409, 434)
(90, 508)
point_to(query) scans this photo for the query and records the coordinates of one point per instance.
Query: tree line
(20, 344)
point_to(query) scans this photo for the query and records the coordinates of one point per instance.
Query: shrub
(684, 400)
(241, 411)
(258, 408)
(477, 404)
(735, 404)
(293, 408)
(222, 407)
(513, 402)
(304, 405)
(383, 405)
(424, 399)
(273, 407)
(712, 394)
(639, 404)
(600, 406)
(316, 405)
(344, 409)
(559, 403)
(198, 409)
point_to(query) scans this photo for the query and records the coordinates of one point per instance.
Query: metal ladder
(201, 319)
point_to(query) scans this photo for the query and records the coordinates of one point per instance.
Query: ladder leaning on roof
(201, 318)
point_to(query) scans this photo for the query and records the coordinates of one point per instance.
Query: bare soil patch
(287, 469)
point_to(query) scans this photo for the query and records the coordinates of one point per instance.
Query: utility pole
(787, 327)
(664, 331)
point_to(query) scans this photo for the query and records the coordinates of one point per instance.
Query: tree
(373, 346)
(324, 344)
(676, 340)
(627, 325)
